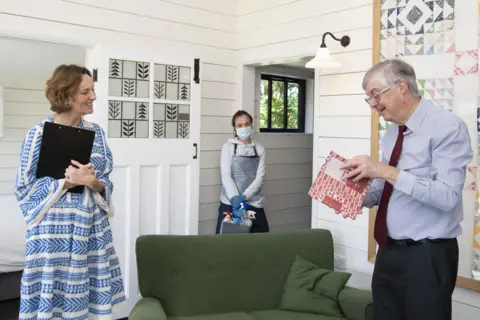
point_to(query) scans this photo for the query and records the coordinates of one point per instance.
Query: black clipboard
(60, 145)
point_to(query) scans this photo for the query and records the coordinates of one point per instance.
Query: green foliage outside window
(281, 106)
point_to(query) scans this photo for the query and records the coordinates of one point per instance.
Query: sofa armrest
(356, 304)
(148, 309)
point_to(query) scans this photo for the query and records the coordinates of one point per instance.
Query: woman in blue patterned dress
(71, 268)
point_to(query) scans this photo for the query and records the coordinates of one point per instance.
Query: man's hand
(366, 167)
(363, 167)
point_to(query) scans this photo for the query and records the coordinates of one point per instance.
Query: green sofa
(232, 276)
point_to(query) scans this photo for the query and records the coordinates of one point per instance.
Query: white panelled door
(149, 105)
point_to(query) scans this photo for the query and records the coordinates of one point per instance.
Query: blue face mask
(244, 133)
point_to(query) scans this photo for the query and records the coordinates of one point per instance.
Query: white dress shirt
(427, 197)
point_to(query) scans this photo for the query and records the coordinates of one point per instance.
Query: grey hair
(390, 71)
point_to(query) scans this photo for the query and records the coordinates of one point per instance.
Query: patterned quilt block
(417, 27)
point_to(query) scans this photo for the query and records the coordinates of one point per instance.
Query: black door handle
(196, 151)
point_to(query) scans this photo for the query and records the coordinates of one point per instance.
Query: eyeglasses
(374, 98)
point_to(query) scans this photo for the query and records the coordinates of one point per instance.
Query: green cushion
(356, 304)
(147, 309)
(311, 289)
(220, 316)
(289, 315)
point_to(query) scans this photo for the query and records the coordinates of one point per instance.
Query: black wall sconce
(323, 59)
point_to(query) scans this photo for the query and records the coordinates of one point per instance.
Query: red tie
(380, 231)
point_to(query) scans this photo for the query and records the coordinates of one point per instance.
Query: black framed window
(282, 104)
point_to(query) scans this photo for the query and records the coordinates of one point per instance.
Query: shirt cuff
(405, 182)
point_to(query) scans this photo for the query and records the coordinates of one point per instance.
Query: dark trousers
(259, 224)
(415, 281)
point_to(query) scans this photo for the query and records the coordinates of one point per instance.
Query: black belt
(410, 242)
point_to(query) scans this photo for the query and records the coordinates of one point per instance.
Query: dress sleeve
(104, 199)
(35, 196)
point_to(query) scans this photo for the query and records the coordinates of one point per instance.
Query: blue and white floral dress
(71, 268)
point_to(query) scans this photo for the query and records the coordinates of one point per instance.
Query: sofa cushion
(289, 315)
(220, 316)
(311, 289)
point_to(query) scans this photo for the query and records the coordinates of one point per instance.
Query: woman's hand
(79, 174)
(68, 184)
(84, 175)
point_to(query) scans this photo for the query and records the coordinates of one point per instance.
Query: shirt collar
(416, 119)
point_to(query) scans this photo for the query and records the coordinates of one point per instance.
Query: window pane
(292, 105)
(277, 104)
(264, 104)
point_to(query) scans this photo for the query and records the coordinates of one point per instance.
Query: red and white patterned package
(344, 196)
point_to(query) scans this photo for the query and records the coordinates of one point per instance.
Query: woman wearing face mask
(243, 170)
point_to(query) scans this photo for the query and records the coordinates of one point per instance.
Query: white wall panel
(344, 105)
(345, 127)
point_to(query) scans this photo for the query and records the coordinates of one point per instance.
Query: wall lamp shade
(322, 59)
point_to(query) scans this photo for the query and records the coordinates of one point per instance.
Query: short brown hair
(63, 85)
(240, 113)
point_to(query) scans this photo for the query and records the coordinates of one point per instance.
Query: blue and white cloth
(71, 268)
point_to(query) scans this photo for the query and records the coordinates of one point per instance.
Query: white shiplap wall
(219, 99)
(288, 174)
(276, 29)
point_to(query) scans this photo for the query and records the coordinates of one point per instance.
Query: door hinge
(196, 70)
(95, 75)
